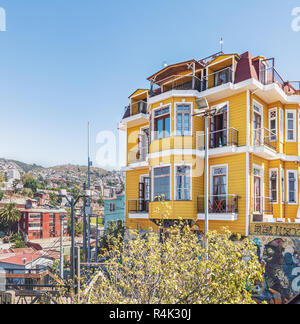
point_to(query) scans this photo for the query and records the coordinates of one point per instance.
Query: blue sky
(65, 62)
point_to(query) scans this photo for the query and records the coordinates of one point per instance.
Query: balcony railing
(139, 107)
(138, 206)
(218, 139)
(262, 206)
(139, 155)
(217, 78)
(189, 82)
(186, 82)
(220, 204)
(270, 75)
(265, 137)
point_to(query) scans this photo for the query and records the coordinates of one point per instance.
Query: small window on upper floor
(290, 126)
(162, 123)
(183, 120)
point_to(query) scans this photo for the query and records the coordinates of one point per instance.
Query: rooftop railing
(219, 139)
(219, 204)
(217, 78)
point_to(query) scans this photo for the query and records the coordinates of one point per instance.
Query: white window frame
(282, 179)
(212, 179)
(290, 111)
(190, 165)
(153, 118)
(191, 117)
(281, 125)
(276, 121)
(288, 187)
(152, 179)
(260, 112)
(277, 187)
(262, 176)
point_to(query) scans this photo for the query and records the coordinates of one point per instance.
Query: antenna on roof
(221, 43)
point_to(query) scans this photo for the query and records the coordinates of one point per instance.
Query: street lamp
(72, 202)
(204, 111)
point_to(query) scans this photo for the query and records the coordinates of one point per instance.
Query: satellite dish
(202, 106)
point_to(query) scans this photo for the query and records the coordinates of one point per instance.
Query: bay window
(183, 183)
(162, 124)
(183, 120)
(161, 183)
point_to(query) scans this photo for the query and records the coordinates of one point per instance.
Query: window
(183, 183)
(162, 183)
(112, 207)
(183, 126)
(218, 200)
(222, 77)
(292, 178)
(162, 123)
(281, 125)
(274, 185)
(291, 125)
(219, 127)
(273, 124)
(282, 186)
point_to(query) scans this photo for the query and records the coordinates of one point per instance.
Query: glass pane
(160, 129)
(186, 124)
(167, 127)
(179, 124)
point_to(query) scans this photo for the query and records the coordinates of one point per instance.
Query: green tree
(9, 216)
(55, 200)
(1, 195)
(30, 183)
(18, 242)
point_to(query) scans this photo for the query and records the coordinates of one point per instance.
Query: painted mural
(280, 257)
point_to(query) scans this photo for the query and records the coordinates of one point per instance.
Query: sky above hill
(64, 63)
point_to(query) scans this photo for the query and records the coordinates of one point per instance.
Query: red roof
(21, 259)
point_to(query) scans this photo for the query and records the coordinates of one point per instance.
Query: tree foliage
(30, 182)
(176, 268)
(9, 216)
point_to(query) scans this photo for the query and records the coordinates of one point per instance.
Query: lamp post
(207, 113)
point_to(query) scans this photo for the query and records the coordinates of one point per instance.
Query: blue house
(114, 211)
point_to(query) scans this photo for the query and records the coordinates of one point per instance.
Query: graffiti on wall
(280, 257)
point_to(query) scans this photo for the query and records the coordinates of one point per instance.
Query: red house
(42, 223)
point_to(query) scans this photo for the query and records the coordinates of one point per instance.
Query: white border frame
(190, 165)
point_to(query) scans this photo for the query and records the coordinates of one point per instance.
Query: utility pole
(72, 241)
(89, 200)
(97, 233)
(61, 256)
(84, 227)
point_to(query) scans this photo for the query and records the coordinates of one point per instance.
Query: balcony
(138, 208)
(136, 114)
(270, 75)
(264, 143)
(138, 156)
(219, 139)
(189, 82)
(262, 209)
(221, 207)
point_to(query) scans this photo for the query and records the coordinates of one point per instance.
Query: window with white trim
(162, 123)
(274, 185)
(281, 125)
(282, 186)
(183, 183)
(161, 183)
(183, 120)
(290, 125)
(292, 183)
(273, 124)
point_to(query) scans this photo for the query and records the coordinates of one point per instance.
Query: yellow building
(254, 145)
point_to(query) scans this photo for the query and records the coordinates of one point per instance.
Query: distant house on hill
(114, 211)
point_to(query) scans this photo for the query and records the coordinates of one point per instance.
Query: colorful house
(114, 211)
(254, 145)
